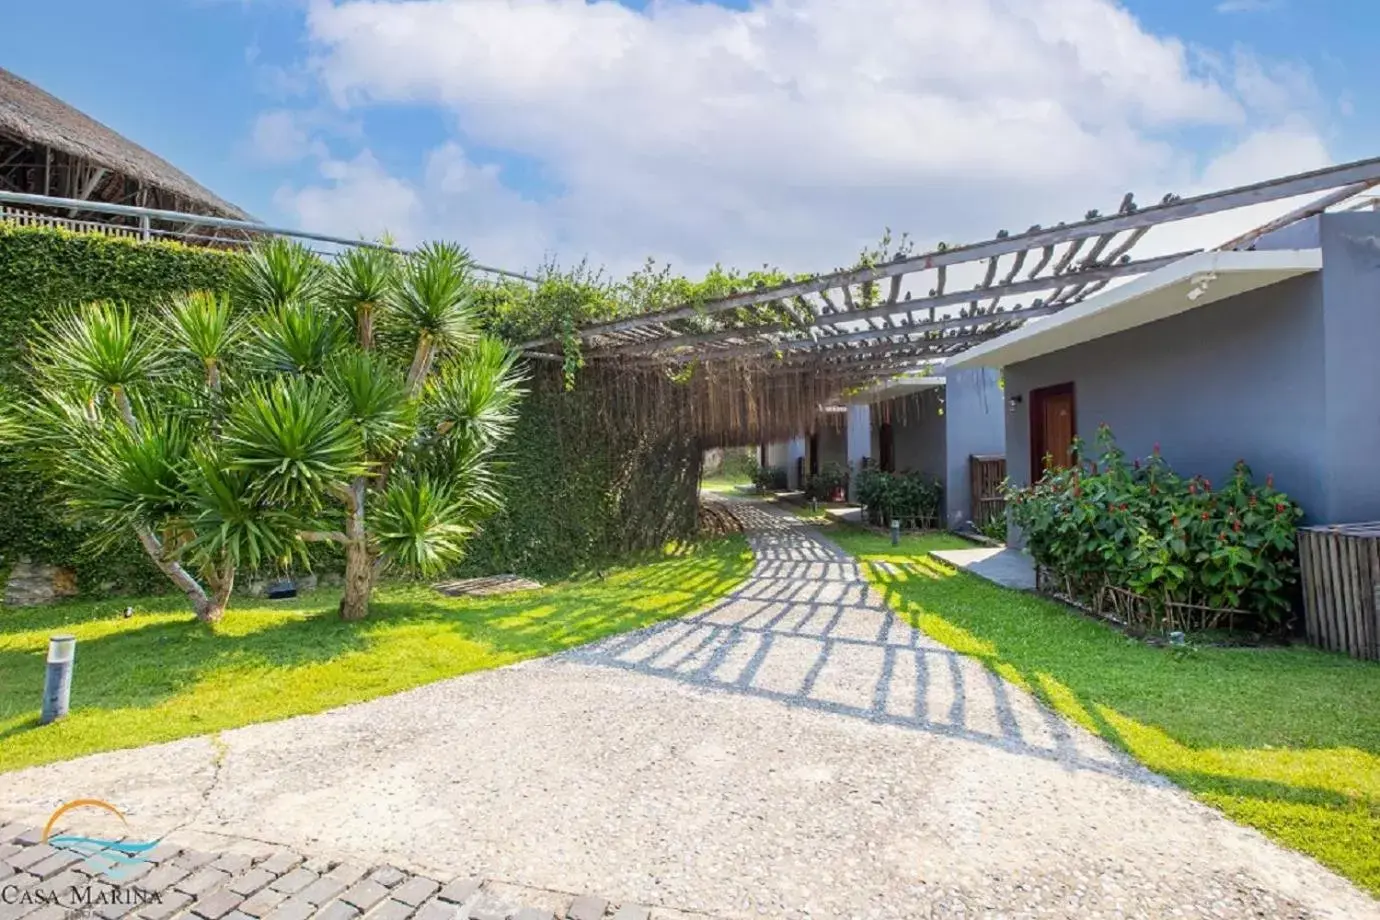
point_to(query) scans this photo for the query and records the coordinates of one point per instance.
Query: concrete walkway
(1008, 567)
(793, 751)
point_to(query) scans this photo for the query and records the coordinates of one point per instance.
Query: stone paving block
(98, 866)
(460, 890)
(534, 913)
(6, 870)
(318, 864)
(322, 890)
(348, 873)
(417, 890)
(64, 880)
(436, 909)
(164, 877)
(488, 908)
(338, 910)
(8, 849)
(234, 863)
(169, 904)
(633, 912)
(392, 910)
(280, 862)
(162, 853)
(388, 876)
(202, 881)
(249, 882)
(262, 902)
(217, 904)
(364, 894)
(236, 915)
(295, 880)
(29, 836)
(192, 860)
(292, 909)
(586, 907)
(51, 866)
(11, 830)
(31, 855)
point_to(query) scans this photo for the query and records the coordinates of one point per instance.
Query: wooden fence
(1341, 578)
(986, 474)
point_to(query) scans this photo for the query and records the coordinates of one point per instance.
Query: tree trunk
(359, 582)
(207, 609)
(359, 565)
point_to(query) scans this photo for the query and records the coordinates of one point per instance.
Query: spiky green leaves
(116, 478)
(296, 338)
(360, 281)
(96, 345)
(232, 522)
(475, 397)
(294, 437)
(435, 295)
(201, 324)
(422, 525)
(374, 397)
(277, 272)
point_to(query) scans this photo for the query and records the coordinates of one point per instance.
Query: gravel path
(793, 751)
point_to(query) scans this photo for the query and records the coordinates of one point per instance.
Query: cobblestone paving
(40, 881)
(795, 751)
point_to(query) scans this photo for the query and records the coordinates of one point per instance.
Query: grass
(1286, 740)
(724, 484)
(160, 675)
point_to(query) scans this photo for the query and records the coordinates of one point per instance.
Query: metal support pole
(895, 531)
(57, 683)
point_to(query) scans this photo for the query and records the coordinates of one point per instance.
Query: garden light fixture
(57, 682)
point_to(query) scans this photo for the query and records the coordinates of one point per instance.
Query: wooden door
(814, 453)
(886, 448)
(1053, 426)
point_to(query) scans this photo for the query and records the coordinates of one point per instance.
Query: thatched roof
(35, 116)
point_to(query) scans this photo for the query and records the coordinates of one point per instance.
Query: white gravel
(794, 751)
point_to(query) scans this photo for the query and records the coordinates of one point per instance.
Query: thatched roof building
(49, 148)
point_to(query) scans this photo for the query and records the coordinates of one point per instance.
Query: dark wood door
(814, 454)
(886, 447)
(1053, 426)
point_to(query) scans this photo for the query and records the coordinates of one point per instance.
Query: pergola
(847, 330)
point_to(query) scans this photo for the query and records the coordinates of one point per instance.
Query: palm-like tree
(350, 402)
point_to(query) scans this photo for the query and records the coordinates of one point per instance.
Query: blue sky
(293, 111)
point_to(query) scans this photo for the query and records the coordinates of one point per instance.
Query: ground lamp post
(895, 531)
(57, 684)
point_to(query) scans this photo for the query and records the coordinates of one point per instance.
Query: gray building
(1265, 355)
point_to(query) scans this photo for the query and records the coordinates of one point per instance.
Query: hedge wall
(583, 484)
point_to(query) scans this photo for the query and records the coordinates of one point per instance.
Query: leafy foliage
(301, 442)
(1142, 527)
(914, 499)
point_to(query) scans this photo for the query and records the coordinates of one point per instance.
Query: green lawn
(724, 484)
(159, 675)
(1286, 740)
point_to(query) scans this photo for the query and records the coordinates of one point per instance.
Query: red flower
(1123, 506)
(1236, 526)
(1270, 481)
(1279, 507)
(1222, 537)
(1207, 484)
(1205, 515)
(1193, 488)
(1156, 449)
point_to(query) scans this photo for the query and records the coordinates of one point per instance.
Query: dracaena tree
(349, 402)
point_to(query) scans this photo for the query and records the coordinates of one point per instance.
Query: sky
(740, 132)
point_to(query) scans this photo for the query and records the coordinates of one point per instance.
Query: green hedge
(582, 484)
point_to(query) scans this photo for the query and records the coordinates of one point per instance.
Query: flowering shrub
(913, 498)
(1141, 527)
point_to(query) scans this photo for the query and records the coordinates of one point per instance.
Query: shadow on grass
(1283, 739)
(161, 675)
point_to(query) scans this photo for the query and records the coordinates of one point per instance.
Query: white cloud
(789, 133)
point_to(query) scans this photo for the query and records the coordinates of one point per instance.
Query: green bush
(1170, 540)
(822, 486)
(914, 499)
(770, 479)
